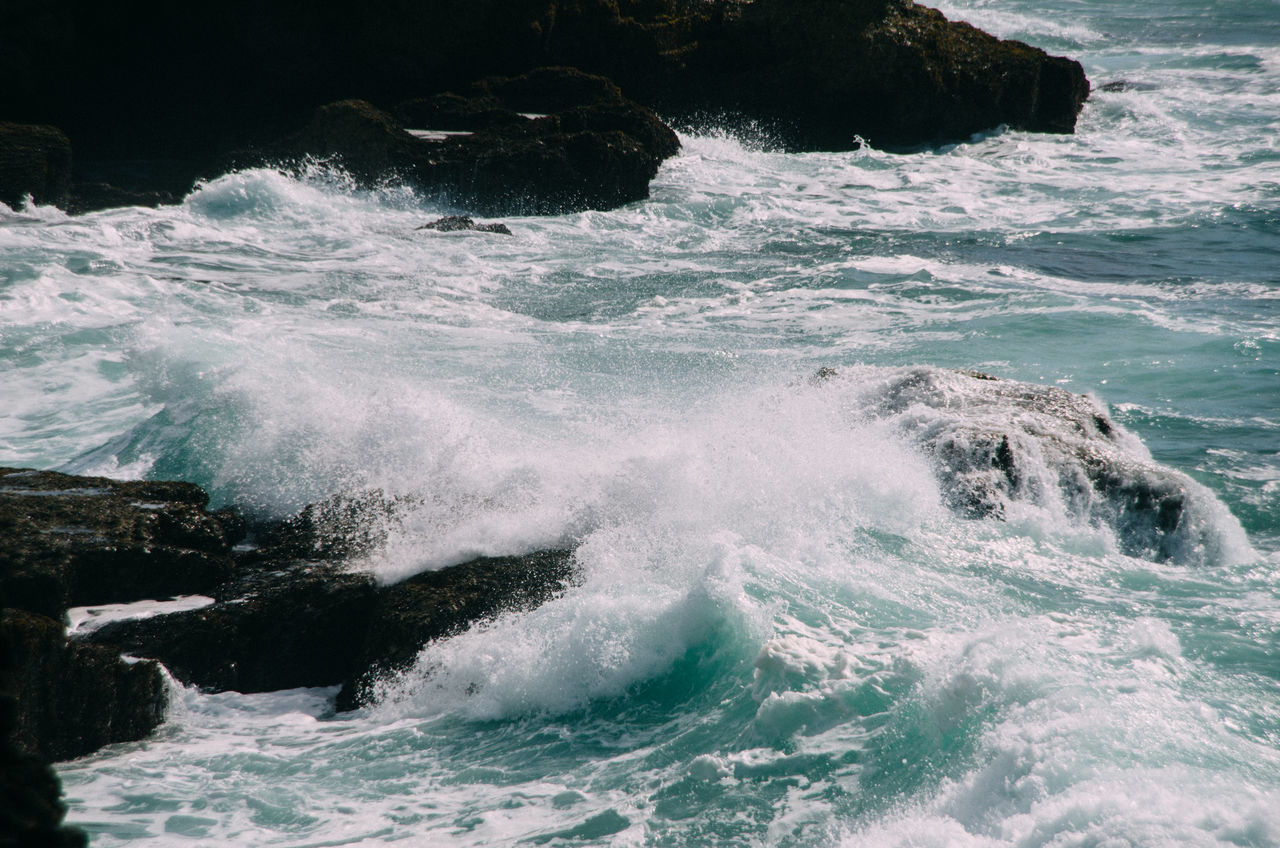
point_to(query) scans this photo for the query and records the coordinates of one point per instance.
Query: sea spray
(785, 630)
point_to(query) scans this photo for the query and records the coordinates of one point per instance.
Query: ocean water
(783, 633)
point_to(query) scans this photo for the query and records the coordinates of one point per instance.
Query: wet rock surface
(277, 628)
(996, 443)
(316, 624)
(75, 698)
(438, 604)
(288, 611)
(32, 811)
(818, 74)
(71, 541)
(492, 151)
(461, 223)
(824, 72)
(35, 162)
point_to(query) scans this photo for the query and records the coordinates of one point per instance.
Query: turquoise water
(782, 635)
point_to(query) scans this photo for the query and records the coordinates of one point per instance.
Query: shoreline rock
(33, 811)
(287, 613)
(493, 150)
(819, 74)
(75, 698)
(893, 73)
(35, 162)
(68, 541)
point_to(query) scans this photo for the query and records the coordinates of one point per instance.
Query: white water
(783, 634)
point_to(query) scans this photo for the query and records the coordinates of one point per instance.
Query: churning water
(801, 618)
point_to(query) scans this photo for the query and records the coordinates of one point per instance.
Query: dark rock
(598, 152)
(338, 528)
(550, 89)
(294, 616)
(299, 624)
(286, 614)
(459, 223)
(313, 624)
(456, 113)
(92, 196)
(72, 541)
(35, 161)
(822, 72)
(32, 811)
(74, 698)
(437, 604)
(369, 142)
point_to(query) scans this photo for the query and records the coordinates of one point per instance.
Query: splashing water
(898, 605)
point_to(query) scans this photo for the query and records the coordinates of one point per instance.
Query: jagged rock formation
(999, 443)
(285, 613)
(819, 73)
(495, 150)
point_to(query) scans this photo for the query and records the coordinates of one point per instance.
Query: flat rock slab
(74, 541)
(288, 625)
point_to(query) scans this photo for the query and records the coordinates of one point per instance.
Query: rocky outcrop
(493, 151)
(822, 72)
(32, 811)
(461, 223)
(818, 73)
(285, 612)
(281, 627)
(437, 604)
(314, 624)
(35, 162)
(997, 444)
(71, 541)
(75, 698)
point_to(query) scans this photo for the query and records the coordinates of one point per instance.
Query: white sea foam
(85, 619)
(779, 633)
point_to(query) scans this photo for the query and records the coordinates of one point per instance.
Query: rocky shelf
(284, 613)
(538, 107)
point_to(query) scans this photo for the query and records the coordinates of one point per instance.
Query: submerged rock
(461, 223)
(1118, 86)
